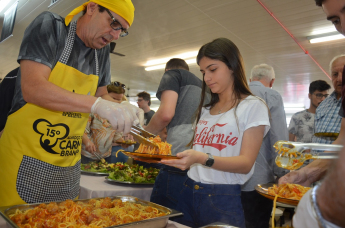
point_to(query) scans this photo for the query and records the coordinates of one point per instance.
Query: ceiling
(163, 28)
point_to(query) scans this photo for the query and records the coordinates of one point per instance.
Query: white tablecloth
(96, 186)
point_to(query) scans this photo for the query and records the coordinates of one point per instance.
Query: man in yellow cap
(64, 72)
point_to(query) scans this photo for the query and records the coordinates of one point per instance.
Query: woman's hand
(90, 147)
(187, 158)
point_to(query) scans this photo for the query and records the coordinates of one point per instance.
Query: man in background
(6, 96)
(179, 92)
(301, 127)
(257, 209)
(144, 102)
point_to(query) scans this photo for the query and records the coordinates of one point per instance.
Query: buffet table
(96, 186)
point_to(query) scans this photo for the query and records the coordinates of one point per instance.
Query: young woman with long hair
(227, 140)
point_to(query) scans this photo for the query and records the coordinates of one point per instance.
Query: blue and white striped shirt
(327, 119)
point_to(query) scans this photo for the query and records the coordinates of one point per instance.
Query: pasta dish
(289, 191)
(164, 148)
(94, 213)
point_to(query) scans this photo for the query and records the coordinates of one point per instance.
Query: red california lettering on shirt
(206, 137)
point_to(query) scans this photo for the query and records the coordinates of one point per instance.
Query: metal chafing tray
(218, 225)
(159, 222)
(93, 173)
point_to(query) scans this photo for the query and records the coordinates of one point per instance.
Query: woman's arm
(251, 143)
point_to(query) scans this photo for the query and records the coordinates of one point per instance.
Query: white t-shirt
(221, 135)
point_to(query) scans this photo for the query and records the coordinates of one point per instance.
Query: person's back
(257, 209)
(188, 87)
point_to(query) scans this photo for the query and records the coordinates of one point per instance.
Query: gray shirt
(44, 40)
(265, 167)
(302, 125)
(188, 88)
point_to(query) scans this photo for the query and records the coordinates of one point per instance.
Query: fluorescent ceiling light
(185, 55)
(325, 37)
(162, 66)
(3, 4)
(323, 30)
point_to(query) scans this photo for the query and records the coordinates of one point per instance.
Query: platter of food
(149, 158)
(149, 154)
(97, 168)
(287, 193)
(132, 175)
(126, 142)
(116, 211)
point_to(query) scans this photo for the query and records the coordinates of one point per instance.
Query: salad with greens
(123, 172)
(97, 166)
(134, 173)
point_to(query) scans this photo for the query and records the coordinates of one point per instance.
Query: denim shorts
(203, 204)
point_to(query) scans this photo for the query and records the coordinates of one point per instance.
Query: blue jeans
(202, 204)
(168, 184)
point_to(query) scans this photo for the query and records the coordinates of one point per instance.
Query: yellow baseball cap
(123, 8)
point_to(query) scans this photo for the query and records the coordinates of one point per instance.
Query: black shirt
(6, 95)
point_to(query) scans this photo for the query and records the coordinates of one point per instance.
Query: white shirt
(221, 135)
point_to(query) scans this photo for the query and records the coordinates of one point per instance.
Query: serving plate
(158, 222)
(149, 158)
(111, 181)
(327, 134)
(263, 190)
(94, 173)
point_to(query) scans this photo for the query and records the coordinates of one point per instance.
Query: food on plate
(98, 166)
(134, 173)
(164, 148)
(93, 213)
(289, 191)
(128, 141)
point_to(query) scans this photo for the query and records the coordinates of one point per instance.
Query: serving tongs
(97, 155)
(140, 135)
(287, 147)
(295, 160)
(291, 154)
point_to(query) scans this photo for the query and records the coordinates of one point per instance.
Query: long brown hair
(224, 50)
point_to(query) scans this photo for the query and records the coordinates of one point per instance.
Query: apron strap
(69, 46)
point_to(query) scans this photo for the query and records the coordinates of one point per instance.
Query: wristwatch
(210, 160)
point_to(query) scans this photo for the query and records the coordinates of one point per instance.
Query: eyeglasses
(320, 95)
(140, 100)
(117, 84)
(116, 25)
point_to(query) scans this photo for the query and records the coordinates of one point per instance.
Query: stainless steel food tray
(159, 222)
(94, 173)
(218, 225)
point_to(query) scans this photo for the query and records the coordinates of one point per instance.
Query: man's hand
(138, 112)
(296, 177)
(121, 116)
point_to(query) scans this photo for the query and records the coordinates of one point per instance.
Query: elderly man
(257, 209)
(64, 67)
